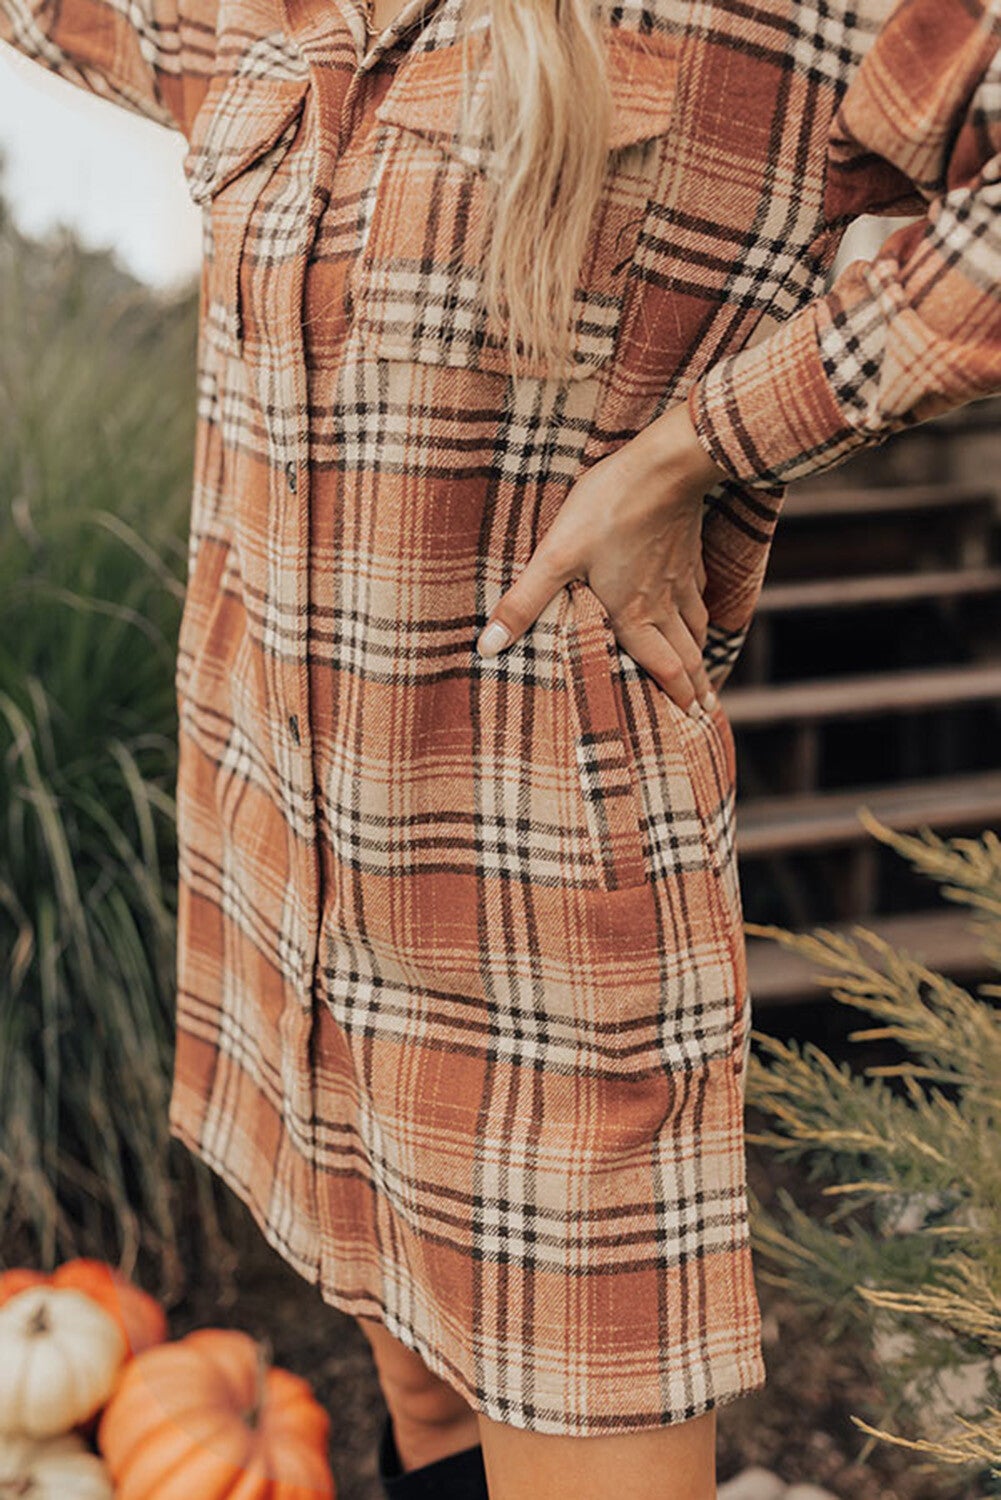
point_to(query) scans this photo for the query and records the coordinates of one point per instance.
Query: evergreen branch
(964, 869)
(926, 1012)
(834, 1188)
(911, 1254)
(964, 1301)
(826, 1107)
(981, 1443)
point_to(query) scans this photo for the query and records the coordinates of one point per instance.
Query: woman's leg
(430, 1418)
(677, 1462)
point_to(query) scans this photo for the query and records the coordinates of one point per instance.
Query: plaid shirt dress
(462, 1011)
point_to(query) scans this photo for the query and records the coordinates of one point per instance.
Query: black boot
(459, 1476)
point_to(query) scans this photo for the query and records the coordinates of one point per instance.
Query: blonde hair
(549, 109)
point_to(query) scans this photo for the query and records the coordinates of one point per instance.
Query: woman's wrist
(675, 447)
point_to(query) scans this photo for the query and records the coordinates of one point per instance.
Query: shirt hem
(730, 1377)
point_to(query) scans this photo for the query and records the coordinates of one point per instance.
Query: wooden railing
(872, 676)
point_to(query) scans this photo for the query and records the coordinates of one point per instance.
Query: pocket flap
(240, 119)
(426, 95)
(642, 72)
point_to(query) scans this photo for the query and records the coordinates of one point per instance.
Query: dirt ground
(798, 1425)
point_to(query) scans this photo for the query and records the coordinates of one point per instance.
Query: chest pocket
(242, 131)
(416, 281)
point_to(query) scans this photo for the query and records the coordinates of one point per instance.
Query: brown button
(293, 725)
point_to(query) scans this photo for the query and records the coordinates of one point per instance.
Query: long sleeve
(916, 331)
(149, 56)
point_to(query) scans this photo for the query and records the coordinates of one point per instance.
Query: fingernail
(710, 700)
(493, 639)
(694, 709)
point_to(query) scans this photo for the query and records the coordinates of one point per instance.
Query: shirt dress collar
(439, 18)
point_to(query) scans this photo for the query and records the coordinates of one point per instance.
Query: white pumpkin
(55, 1468)
(60, 1355)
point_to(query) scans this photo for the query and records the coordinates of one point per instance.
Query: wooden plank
(855, 696)
(789, 824)
(981, 415)
(802, 503)
(877, 588)
(942, 939)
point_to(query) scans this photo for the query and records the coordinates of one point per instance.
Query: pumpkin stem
(39, 1320)
(263, 1350)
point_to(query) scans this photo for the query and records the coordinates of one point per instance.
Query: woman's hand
(631, 527)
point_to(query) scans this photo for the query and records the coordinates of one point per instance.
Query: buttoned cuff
(768, 414)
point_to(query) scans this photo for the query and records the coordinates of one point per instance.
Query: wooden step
(942, 939)
(859, 695)
(973, 416)
(822, 820)
(804, 503)
(878, 588)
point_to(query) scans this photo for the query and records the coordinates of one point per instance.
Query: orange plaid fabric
(462, 1007)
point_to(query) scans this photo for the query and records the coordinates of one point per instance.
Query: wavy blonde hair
(549, 108)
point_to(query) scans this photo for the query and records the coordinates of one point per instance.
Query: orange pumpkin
(208, 1415)
(139, 1316)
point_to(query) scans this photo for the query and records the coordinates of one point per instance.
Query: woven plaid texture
(462, 1008)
